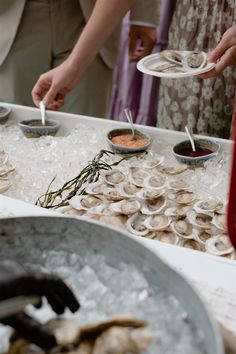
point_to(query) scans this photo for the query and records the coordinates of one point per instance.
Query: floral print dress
(207, 105)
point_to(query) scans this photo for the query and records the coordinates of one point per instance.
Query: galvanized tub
(27, 239)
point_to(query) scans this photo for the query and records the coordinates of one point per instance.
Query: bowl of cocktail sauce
(121, 141)
(205, 149)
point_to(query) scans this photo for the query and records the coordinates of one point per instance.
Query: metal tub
(24, 240)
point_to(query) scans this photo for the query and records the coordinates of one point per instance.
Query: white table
(214, 276)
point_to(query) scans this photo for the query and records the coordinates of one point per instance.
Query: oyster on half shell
(184, 197)
(183, 228)
(178, 212)
(192, 244)
(154, 182)
(154, 162)
(135, 224)
(157, 222)
(127, 189)
(137, 176)
(219, 245)
(153, 206)
(200, 220)
(147, 193)
(210, 204)
(165, 236)
(173, 168)
(85, 202)
(114, 177)
(178, 185)
(126, 207)
(219, 221)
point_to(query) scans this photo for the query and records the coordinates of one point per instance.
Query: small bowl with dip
(4, 114)
(34, 128)
(205, 149)
(120, 140)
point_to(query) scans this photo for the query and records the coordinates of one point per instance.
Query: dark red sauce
(199, 152)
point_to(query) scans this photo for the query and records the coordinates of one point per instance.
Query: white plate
(146, 64)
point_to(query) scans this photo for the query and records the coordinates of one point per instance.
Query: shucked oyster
(183, 229)
(173, 168)
(137, 176)
(127, 189)
(154, 162)
(219, 245)
(135, 224)
(114, 177)
(194, 60)
(184, 197)
(85, 202)
(149, 193)
(154, 182)
(165, 236)
(208, 205)
(126, 207)
(178, 185)
(154, 206)
(157, 222)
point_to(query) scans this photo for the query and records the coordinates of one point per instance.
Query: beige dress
(207, 105)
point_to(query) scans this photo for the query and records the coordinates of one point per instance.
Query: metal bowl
(4, 114)
(125, 149)
(34, 128)
(199, 160)
(28, 240)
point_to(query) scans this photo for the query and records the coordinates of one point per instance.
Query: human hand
(224, 54)
(53, 85)
(15, 280)
(148, 38)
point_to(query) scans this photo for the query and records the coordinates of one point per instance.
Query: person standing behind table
(38, 35)
(204, 104)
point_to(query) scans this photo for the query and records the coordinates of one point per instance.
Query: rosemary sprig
(91, 173)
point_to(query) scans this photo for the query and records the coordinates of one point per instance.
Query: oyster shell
(127, 189)
(154, 162)
(173, 56)
(137, 176)
(135, 224)
(194, 60)
(200, 220)
(208, 205)
(178, 185)
(219, 220)
(173, 169)
(183, 228)
(126, 206)
(219, 245)
(166, 236)
(114, 177)
(113, 194)
(102, 210)
(154, 182)
(85, 202)
(153, 206)
(192, 244)
(96, 188)
(202, 236)
(149, 194)
(157, 222)
(178, 212)
(184, 197)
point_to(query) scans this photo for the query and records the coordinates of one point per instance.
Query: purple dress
(133, 89)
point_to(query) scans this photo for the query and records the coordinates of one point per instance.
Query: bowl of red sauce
(205, 149)
(120, 140)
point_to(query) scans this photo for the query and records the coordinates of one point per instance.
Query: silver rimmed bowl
(206, 149)
(113, 273)
(141, 143)
(34, 128)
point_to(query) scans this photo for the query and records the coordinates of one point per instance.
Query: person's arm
(16, 280)
(224, 54)
(56, 83)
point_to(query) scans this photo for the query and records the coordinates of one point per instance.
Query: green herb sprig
(91, 173)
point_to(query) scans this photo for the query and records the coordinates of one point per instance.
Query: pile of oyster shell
(118, 335)
(155, 200)
(174, 61)
(5, 171)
